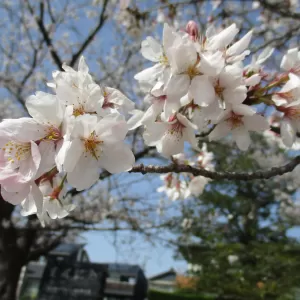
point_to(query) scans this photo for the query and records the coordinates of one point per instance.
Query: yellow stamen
(91, 145)
(78, 111)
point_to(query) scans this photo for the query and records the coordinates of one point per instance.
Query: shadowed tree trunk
(14, 249)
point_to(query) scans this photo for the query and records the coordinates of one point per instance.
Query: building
(67, 273)
(165, 281)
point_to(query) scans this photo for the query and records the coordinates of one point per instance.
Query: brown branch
(90, 38)
(46, 37)
(260, 174)
(36, 253)
(282, 9)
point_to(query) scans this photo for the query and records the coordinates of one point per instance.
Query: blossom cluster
(71, 135)
(199, 83)
(197, 87)
(185, 185)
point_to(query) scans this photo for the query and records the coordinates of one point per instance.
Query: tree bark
(14, 249)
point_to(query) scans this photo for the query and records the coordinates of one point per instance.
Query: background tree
(235, 236)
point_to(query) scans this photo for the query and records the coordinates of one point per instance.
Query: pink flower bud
(192, 30)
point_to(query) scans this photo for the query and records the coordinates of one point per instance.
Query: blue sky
(152, 259)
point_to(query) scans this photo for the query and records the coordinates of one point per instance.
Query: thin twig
(90, 38)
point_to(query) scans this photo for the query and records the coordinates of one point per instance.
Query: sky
(153, 260)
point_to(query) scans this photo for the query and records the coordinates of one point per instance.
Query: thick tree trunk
(11, 262)
(14, 248)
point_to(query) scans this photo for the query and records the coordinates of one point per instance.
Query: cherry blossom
(96, 144)
(239, 120)
(169, 136)
(288, 101)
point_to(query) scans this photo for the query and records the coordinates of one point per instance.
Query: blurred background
(238, 240)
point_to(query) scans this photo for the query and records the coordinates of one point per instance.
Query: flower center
(106, 103)
(164, 60)
(292, 112)
(91, 145)
(78, 111)
(168, 180)
(53, 134)
(219, 91)
(16, 151)
(176, 128)
(287, 95)
(192, 71)
(235, 120)
(296, 69)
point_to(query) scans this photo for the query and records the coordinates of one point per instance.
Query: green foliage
(159, 295)
(263, 270)
(243, 219)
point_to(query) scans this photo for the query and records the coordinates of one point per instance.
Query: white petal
(292, 83)
(202, 91)
(135, 121)
(171, 143)
(152, 112)
(211, 64)
(47, 151)
(235, 96)
(82, 66)
(169, 37)
(116, 158)
(154, 133)
(170, 108)
(264, 55)
(111, 128)
(28, 168)
(253, 80)
(22, 129)
(73, 154)
(238, 58)
(85, 173)
(241, 45)
(151, 49)
(221, 130)
(197, 185)
(84, 125)
(189, 136)
(289, 59)
(231, 76)
(279, 100)
(178, 86)
(150, 73)
(157, 90)
(256, 123)
(224, 38)
(184, 120)
(288, 133)
(61, 150)
(28, 206)
(37, 196)
(45, 108)
(242, 138)
(15, 197)
(183, 57)
(244, 110)
(11, 180)
(118, 98)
